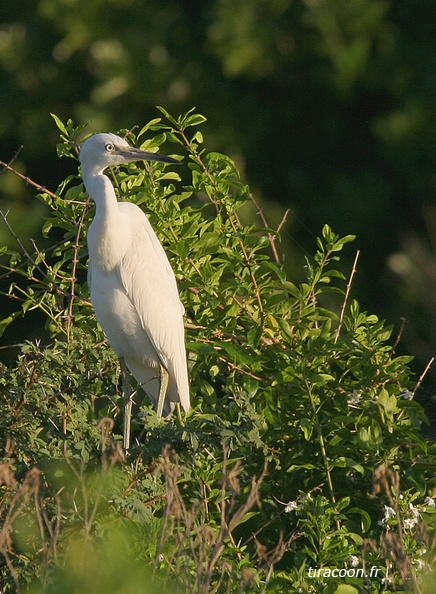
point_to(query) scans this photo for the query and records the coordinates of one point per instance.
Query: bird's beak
(134, 154)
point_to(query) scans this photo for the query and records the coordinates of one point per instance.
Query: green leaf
(292, 289)
(365, 518)
(307, 428)
(371, 437)
(254, 335)
(201, 348)
(198, 137)
(167, 115)
(149, 125)
(59, 124)
(194, 120)
(388, 403)
(238, 355)
(4, 323)
(346, 589)
(246, 517)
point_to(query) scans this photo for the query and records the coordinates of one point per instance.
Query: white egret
(133, 287)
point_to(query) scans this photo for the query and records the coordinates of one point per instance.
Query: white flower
(430, 502)
(389, 512)
(414, 510)
(355, 398)
(409, 523)
(354, 560)
(387, 580)
(291, 506)
(407, 395)
(420, 564)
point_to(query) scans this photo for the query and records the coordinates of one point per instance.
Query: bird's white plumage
(133, 288)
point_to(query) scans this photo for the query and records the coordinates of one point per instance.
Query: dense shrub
(302, 458)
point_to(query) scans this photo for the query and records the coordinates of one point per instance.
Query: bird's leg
(164, 377)
(127, 397)
(179, 414)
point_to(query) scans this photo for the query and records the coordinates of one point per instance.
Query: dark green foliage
(302, 450)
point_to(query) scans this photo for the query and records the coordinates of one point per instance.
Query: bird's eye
(109, 148)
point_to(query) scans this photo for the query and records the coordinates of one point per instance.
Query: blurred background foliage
(327, 106)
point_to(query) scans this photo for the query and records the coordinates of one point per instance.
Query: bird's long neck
(107, 237)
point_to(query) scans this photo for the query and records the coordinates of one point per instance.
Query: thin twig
(44, 261)
(423, 374)
(237, 368)
(400, 333)
(52, 284)
(265, 224)
(28, 180)
(17, 269)
(17, 152)
(26, 253)
(248, 264)
(284, 220)
(418, 383)
(228, 523)
(75, 262)
(17, 239)
(271, 236)
(347, 293)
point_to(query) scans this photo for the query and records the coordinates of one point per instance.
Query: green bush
(302, 455)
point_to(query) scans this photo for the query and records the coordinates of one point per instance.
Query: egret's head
(103, 150)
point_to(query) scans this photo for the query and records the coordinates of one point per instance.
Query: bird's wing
(150, 283)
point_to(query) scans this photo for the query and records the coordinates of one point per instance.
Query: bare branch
(400, 333)
(347, 294)
(28, 180)
(422, 376)
(271, 236)
(284, 220)
(75, 262)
